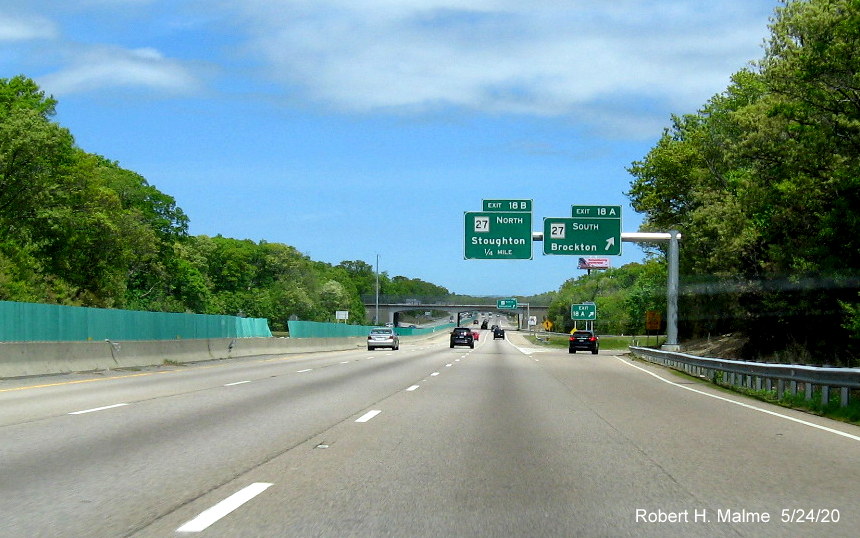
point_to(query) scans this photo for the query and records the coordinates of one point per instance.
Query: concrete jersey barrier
(23, 359)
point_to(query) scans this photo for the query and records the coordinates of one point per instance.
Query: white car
(383, 337)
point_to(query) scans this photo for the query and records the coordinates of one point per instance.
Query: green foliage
(401, 286)
(77, 228)
(362, 274)
(22, 93)
(764, 183)
(622, 296)
(852, 318)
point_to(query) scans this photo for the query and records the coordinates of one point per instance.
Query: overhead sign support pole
(672, 295)
(672, 282)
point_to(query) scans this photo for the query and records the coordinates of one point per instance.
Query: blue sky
(350, 129)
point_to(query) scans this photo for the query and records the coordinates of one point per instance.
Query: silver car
(383, 337)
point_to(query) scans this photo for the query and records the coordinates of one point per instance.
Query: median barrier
(24, 359)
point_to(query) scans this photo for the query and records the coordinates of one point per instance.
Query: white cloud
(25, 28)
(103, 67)
(544, 57)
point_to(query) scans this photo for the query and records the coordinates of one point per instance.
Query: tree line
(78, 229)
(764, 183)
(622, 297)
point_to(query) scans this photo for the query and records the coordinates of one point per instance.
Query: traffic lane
(24, 400)
(753, 456)
(492, 446)
(109, 472)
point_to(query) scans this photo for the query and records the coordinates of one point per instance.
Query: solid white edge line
(236, 383)
(369, 415)
(748, 406)
(211, 515)
(413, 387)
(97, 409)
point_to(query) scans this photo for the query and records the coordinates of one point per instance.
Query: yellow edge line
(78, 381)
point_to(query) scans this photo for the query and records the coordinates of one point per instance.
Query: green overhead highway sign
(576, 236)
(583, 312)
(498, 235)
(592, 230)
(506, 304)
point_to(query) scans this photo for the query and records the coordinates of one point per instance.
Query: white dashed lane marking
(97, 409)
(369, 415)
(223, 508)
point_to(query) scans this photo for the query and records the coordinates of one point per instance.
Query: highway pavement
(501, 440)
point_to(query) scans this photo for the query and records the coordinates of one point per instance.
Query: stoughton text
(498, 241)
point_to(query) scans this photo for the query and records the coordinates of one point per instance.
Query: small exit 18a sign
(583, 312)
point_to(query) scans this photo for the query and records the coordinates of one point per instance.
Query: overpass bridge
(391, 307)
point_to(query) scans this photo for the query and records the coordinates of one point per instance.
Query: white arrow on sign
(610, 243)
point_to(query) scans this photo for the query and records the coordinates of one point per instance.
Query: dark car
(583, 341)
(462, 336)
(498, 332)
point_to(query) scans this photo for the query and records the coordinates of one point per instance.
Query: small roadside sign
(653, 320)
(583, 312)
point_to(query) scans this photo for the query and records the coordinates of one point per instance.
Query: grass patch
(832, 410)
(606, 342)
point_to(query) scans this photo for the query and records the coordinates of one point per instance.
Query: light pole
(376, 317)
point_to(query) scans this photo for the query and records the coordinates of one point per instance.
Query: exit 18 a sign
(503, 304)
(583, 312)
(596, 211)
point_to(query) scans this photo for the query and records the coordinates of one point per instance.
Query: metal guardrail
(759, 375)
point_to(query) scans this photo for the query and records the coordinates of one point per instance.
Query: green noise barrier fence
(31, 322)
(317, 329)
